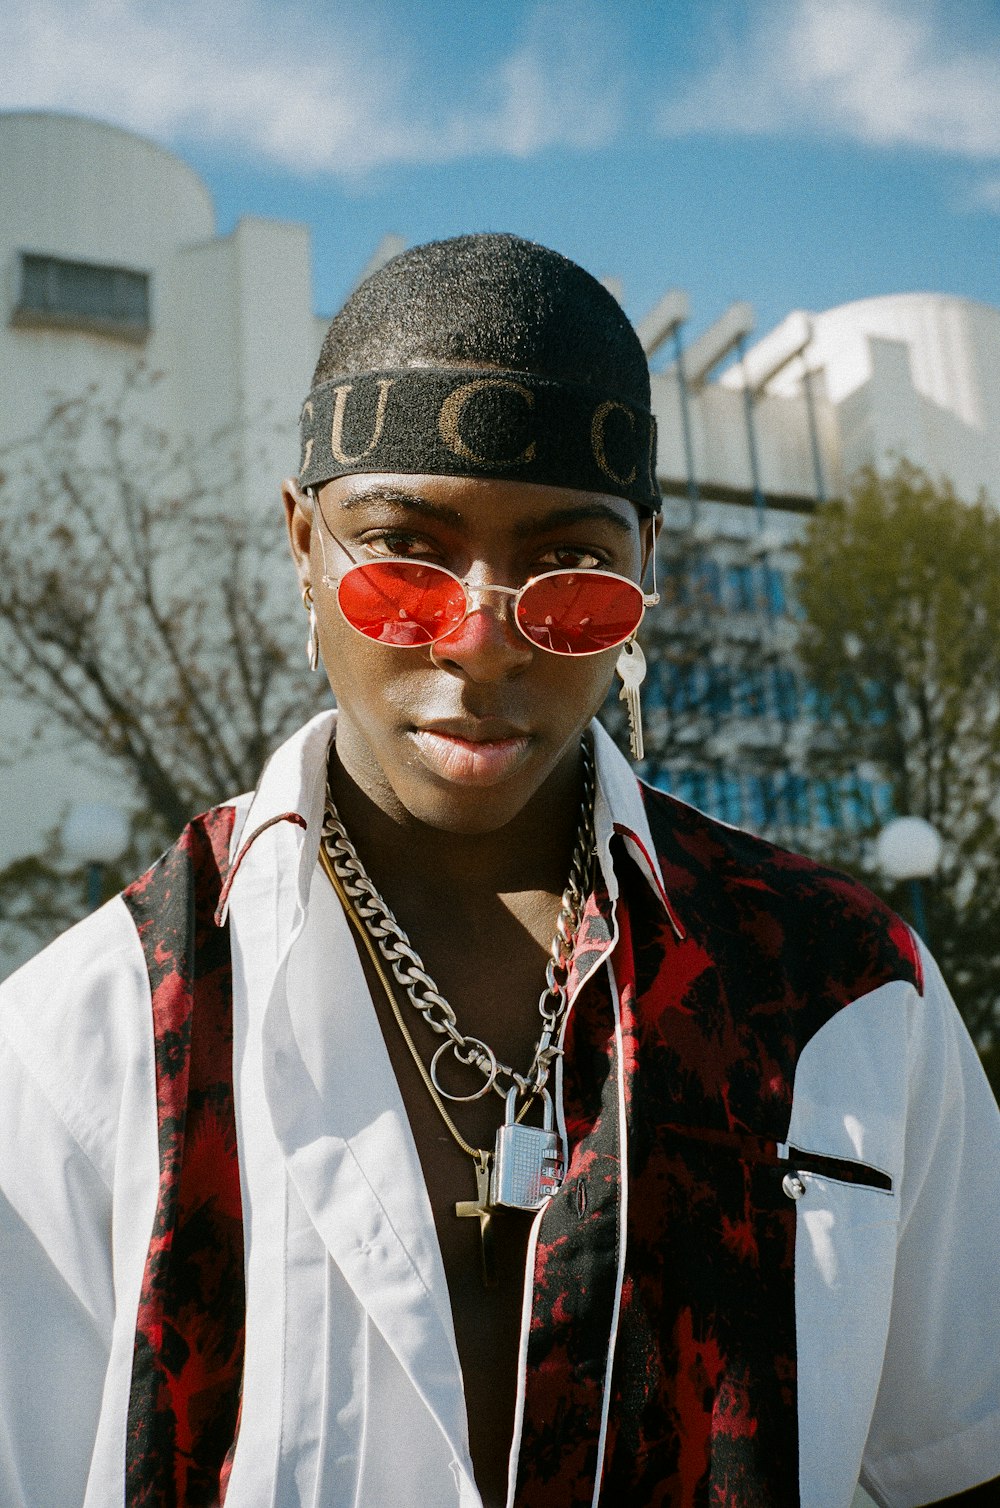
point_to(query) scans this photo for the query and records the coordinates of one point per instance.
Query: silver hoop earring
(631, 666)
(312, 641)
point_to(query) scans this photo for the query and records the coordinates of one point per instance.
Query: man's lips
(483, 754)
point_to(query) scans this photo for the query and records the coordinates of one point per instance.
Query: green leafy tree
(900, 588)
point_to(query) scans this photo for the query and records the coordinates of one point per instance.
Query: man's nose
(487, 645)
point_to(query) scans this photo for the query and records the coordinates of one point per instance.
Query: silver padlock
(527, 1164)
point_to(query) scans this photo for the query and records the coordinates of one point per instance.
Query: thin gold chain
(362, 932)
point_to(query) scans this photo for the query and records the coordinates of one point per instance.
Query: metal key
(631, 667)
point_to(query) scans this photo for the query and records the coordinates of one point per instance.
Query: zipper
(842, 1169)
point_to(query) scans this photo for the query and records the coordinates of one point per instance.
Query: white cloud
(881, 72)
(985, 195)
(337, 90)
(559, 86)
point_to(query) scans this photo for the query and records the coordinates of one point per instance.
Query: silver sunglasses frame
(649, 599)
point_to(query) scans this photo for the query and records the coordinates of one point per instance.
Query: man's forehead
(523, 510)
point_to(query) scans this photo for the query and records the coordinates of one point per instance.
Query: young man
(455, 1120)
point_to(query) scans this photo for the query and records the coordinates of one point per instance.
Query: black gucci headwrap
(480, 422)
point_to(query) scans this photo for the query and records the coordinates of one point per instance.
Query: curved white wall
(231, 331)
(84, 191)
(914, 374)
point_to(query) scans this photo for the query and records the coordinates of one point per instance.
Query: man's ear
(298, 507)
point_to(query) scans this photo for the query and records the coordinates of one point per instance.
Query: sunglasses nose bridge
(487, 642)
(476, 589)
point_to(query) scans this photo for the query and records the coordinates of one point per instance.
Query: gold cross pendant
(480, 1207)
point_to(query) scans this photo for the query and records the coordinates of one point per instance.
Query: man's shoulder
(806, 916)
(101, 951)
(201, 853)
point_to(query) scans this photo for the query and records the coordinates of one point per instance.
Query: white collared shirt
(352, 1390)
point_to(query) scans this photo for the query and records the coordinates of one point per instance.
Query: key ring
(460, 1099)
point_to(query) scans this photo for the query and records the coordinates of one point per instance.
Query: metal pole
(760, 502)
(919, 913)
(813, 430)
(685, 419)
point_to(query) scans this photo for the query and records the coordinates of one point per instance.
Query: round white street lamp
(95, 834)
(909, 848)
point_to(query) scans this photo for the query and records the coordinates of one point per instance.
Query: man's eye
(406, 546)
(567, 558)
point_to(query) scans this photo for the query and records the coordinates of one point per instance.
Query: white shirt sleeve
(936, 1425)
(75, 1082)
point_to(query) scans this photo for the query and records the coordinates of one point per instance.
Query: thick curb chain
(421, 991)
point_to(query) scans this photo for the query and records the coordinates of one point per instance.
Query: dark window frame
(64, 293)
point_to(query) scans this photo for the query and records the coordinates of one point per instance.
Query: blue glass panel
(774, 589)
(706, 581)
(749, 693)
(796, 799)
(816, 703)
(720, 691)
(826, 797)
(692, 786)
(728, 800)
(740, 589)
(785, 690)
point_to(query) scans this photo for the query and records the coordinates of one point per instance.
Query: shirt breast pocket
(847, 1206)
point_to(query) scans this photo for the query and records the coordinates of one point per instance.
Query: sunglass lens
(400, 603)
(579, 612)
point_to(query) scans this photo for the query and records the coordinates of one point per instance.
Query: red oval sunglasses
(412, 603)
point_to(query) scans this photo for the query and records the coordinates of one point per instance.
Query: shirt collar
(619, 808)
(288, 805)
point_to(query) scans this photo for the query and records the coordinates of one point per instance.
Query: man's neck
(529, 854)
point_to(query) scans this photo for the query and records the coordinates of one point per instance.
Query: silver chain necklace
(409, 972)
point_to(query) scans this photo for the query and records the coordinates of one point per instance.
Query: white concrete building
(915, 375)
(787, 424)
(109, 255)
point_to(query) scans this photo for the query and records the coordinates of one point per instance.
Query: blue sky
(795, 153)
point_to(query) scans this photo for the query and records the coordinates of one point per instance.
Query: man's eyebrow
(530, 528)
(400, 497)
(561, 518)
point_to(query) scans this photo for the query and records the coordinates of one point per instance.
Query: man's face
(462, 733)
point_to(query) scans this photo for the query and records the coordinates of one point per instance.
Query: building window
(796, 794)
(728, 802)
(829, 813)
(742, 595)
(674, 583)
(82, 296)
(720, 690)
(762, 799)
(773, 582)
(750, 693)
(683, 687)
(692, 787)
(706, 581)
(816, 704)
(785, 690)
